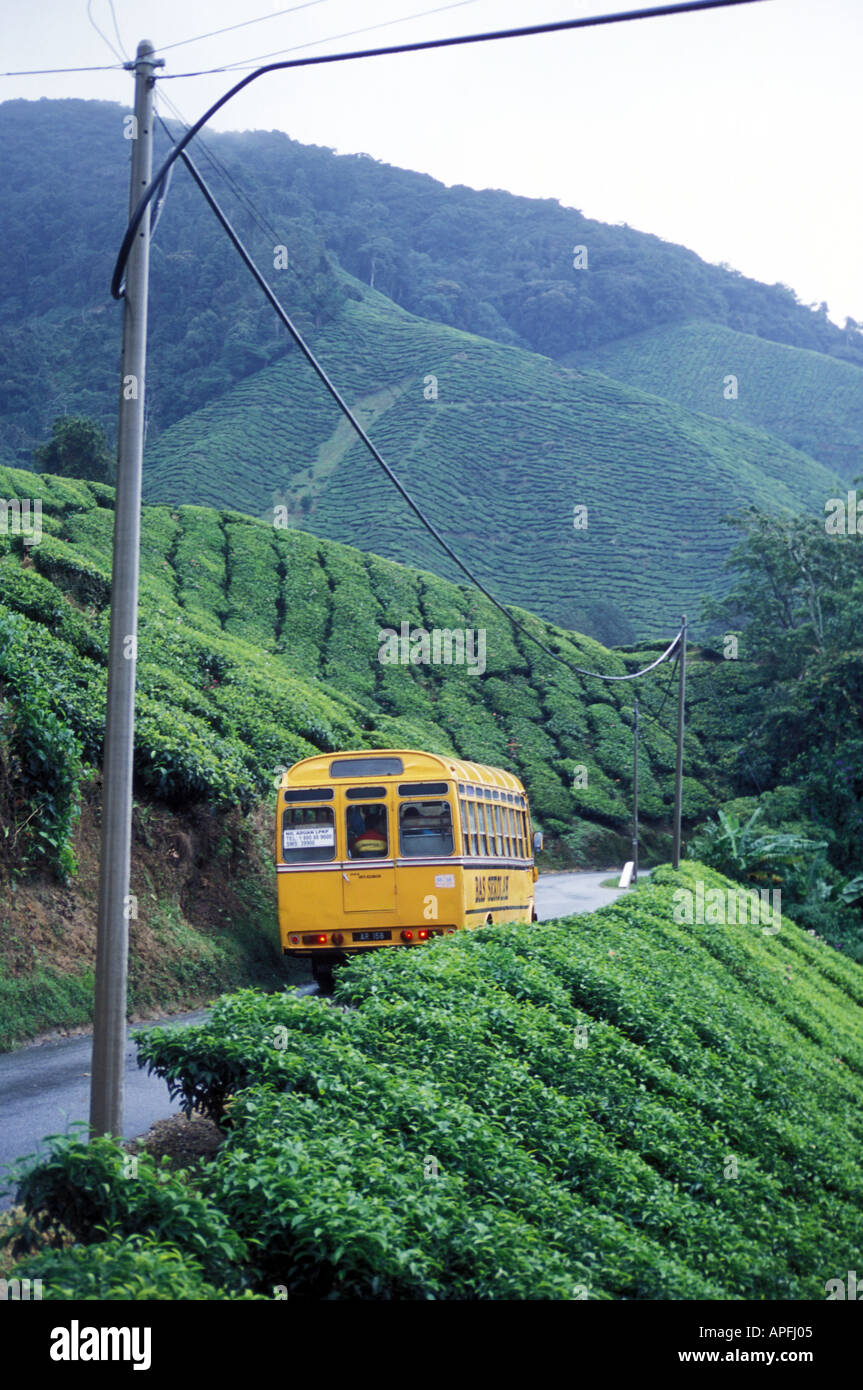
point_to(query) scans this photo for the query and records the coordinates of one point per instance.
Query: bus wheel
(323, 973)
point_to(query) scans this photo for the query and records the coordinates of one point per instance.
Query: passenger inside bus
(425, 828)
(367, 832)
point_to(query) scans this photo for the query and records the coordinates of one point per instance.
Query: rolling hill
(510, 445)
(811, 401)
(258, 647)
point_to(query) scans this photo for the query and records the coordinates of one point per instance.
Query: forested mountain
(487, 262)
(504, 442)
(501, 459)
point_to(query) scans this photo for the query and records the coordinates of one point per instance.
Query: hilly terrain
(408, 277)
(612, 1107)
(499, 457)
(811, 401)
(258, 647)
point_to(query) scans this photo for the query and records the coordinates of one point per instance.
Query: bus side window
(425, 827)
(509, 820)
(498, 828)
(465, 833)
(471, 821)
(482, 837)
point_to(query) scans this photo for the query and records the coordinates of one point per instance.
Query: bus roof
(415, 766)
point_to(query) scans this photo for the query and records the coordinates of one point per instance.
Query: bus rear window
(425, 828)
(366, 767)
(308, 834)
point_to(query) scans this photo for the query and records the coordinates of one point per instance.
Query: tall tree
(77, 449)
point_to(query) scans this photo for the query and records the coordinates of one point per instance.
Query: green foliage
(258, 647)
(136, 1267)
(617, 1102)
(796, 716)
(811, 400)
(94, 1191)
(40, 767)
(813, 893)
(77, 449)
(739, 850)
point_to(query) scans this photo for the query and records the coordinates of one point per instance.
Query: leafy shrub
(131, 1267)
(95, 1191)
(40, 770)
(590, 1080)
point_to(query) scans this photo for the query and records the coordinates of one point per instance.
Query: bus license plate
(373, 936)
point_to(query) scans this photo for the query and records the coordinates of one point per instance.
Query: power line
(555, 27)
(670, 682)
(239, 192)
(44, 72)
(215, 161)
(527, 31)
(376, 454)
(199, 38)
(99, 31)
(116, 29)
(349, 34)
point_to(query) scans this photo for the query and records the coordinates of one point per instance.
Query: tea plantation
(259, 646)
(813, 402)
(498, 445)
(605, 1107)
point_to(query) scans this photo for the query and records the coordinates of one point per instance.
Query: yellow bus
(391, 847)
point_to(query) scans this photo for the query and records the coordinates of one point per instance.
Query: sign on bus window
(308, 834)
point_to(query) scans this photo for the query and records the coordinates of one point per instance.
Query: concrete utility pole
(678, 770)
(635, 796)
(112, 941)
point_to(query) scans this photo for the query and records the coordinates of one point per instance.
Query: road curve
(45, 1087)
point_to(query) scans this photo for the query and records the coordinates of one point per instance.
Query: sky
(735, 133)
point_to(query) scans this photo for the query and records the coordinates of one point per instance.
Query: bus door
(368, 876)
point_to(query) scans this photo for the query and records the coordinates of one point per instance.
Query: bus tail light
(295, 941)
(422, 934)
(322, 938)
(338, 938)
(407, 936)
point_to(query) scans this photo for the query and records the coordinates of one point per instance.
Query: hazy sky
(736, 133)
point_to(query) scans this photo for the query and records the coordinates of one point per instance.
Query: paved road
(558, 895)
(45, 1088)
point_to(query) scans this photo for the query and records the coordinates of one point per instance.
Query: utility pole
(678, 770)
(635, 796)
(112, 939)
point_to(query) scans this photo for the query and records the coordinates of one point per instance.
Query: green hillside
(811, 401)
(607, 1107)
(483, 261)
(499, 460)
(258, 647)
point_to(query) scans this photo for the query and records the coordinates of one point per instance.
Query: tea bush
(633, 1092)
(134, 1267)
(95, 1191)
